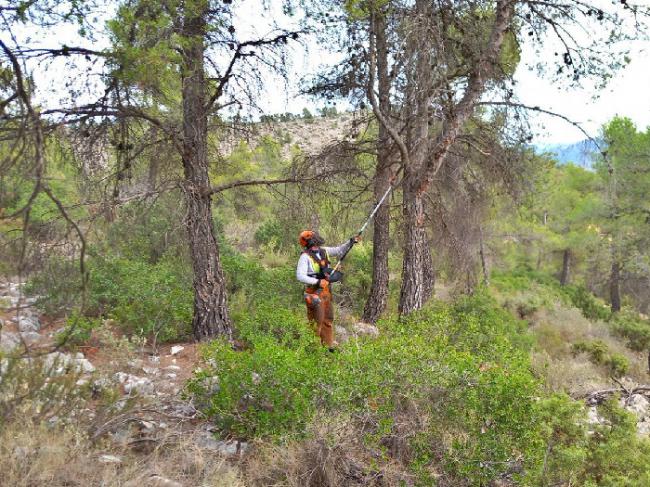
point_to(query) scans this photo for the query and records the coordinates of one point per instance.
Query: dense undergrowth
(461, 393)
(449, 394)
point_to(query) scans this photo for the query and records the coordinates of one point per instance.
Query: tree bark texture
(566, 267)
(210, 306)
(484, 263)
(417, 270)
(615, 286)
(378, 297)
(417, 273)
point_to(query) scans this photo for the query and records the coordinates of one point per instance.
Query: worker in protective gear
(314, 270)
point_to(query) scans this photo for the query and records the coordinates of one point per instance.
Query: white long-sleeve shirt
(305, 266)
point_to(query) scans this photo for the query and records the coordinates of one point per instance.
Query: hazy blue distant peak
(583, 153)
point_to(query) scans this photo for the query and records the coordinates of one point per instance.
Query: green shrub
(592, 308)
(78, 330)
(618, 364)
(151, 300)
(463, 366)
(595, 349)
(271, 232)
(598, 353)
(628, 325)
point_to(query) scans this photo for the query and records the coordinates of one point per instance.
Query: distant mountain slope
(583, 153)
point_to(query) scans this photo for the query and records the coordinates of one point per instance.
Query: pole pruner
(336, 274)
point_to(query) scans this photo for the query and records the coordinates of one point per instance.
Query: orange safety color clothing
(320, 313)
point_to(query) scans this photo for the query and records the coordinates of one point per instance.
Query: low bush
(592, 308)
(598, 352)
(465, 363)
(150, 300)
(636, 331)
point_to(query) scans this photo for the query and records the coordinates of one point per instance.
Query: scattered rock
(150, 370)
(59, 363)
(176, 349)
(227, 448)
(170, 375)
(154, 359)
(366, 329)
(8, 341)
(28, 323)
(256, 378)
(341, 334)
(110, 459)
(158, 481)
(638, 404)
(135, 384)
(30, 337)
(643, 428)
(174, 368)
(592, 416)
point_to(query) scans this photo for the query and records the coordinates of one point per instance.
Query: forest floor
(137, 407)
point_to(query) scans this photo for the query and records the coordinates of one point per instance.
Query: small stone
(173, 367)
(154, 359)
(170, 375)
(158, 481)
(643, 428)
(365, 329)
(592, 416)
(256, 378)
(8, 341)
(150, 370)
(638, 404)
(135, 384)
(84, 365)
(176, 349)
(341, 334)
(30, 337)
(110, 459)
(28, 323)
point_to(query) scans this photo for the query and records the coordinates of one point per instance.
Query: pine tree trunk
(615, 287)
(484, 263)
(378, 297)
(566, 265)
(210, 307)
(417, 273)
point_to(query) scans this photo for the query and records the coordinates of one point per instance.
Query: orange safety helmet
(304, 237)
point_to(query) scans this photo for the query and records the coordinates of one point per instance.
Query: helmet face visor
(309, 238)
(317, 240)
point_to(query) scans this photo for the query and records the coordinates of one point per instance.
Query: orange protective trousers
(320, 313)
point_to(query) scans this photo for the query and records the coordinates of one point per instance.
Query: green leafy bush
(152, 300)
(78, 329)
(271, 232)
(463, 363)
(598, 353)
(628, 325)
(591, 307)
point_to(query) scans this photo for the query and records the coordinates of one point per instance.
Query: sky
(627, 94)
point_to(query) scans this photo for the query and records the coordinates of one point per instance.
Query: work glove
(323, 283)
(355, 239)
